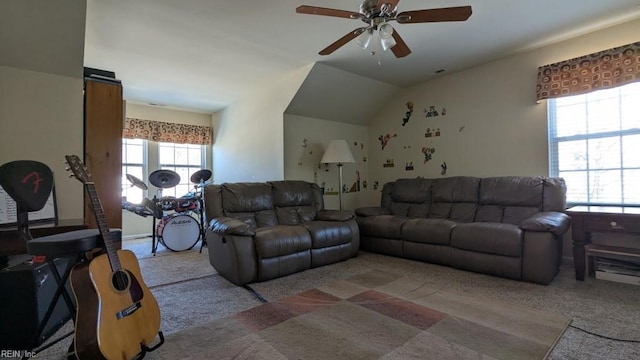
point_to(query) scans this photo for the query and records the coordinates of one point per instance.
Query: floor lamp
(338, 153)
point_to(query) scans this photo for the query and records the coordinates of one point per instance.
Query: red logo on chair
(36, 181)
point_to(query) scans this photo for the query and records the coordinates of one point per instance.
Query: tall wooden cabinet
(103, 122)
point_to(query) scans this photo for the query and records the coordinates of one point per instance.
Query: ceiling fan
(377, 14)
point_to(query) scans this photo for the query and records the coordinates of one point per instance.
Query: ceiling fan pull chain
(377, 53)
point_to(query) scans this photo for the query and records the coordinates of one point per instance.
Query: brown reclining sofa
(506, 226)
(261, 231)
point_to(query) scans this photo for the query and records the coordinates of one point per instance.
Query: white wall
(302, 158)
(505, 130)
(134, 225)
(41, 119)
(41, 90)
(249, 139)
(493, 125)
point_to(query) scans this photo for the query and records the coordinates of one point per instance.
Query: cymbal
(164, 178)
(201, 176)
(136, 182)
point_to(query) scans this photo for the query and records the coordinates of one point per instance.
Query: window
(133, 160)
(594, 144)
(184, 159)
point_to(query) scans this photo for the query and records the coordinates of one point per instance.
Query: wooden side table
(610, 219)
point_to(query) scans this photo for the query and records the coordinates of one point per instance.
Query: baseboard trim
(135, 236)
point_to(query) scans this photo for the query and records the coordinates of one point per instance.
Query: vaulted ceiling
(204, 54)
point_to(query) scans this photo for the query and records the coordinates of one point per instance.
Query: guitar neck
(101, 219)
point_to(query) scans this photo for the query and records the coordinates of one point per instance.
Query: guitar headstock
(77, 168)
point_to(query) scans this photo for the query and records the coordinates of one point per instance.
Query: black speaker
(26, 290)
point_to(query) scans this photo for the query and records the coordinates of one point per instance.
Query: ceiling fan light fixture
(387, 43)
(364, 40)
(385, 30)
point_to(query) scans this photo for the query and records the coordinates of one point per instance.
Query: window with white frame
(184, 159)
(133, 162)
(594, 144)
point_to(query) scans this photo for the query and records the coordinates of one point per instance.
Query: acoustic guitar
(117, 317)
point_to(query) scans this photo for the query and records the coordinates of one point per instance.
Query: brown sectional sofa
(506, 226)
(261, 231)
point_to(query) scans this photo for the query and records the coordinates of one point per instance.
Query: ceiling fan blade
(343, 40)
(460, 13)
(392, 4)
(314, 10)
(400, 49)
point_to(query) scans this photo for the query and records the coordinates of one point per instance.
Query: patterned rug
(377, 315)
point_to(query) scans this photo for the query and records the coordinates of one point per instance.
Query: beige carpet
(190, 306)
(376, 315)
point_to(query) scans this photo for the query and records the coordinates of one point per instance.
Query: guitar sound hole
(120, 280)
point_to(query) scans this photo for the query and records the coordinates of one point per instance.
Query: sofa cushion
(511, 191)
(554, 195)
(410, 197)
(281, 240)
(294, 202)
(382, 226)
(266, 218)
(455, 198)
(492, 238)
(429, 231)
(416, 190)
(249, 202)
(328, 233)
(509, 199)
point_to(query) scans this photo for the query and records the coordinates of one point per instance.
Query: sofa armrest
(372, 211)
(335, 215)
(555, 222)
(231, 226)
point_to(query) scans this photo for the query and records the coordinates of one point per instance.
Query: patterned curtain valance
(167, 132)
(602, 70)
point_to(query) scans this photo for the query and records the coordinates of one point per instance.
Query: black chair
(29, 183)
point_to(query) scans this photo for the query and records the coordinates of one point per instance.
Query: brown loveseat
(261, 231)
(505, 226)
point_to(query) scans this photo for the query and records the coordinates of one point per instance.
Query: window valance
(602, 70)
(167, 132)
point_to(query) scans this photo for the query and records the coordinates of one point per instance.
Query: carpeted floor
(191, 296)
(376, 315)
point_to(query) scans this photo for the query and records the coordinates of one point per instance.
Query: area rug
(376, 315)
(180, 266)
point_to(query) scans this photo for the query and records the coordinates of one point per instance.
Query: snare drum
(178, 232)
(168, 203)
(185, 204)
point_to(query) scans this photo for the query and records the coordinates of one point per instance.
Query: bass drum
(178, 232)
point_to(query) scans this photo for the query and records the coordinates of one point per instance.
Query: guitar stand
(144, 349)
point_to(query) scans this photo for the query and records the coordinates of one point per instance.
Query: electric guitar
(117, 317)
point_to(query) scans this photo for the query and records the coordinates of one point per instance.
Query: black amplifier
(26, 290)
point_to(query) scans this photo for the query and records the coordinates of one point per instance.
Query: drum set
(178, 223)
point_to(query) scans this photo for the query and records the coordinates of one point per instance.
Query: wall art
(428, 153)
(431, 112)
(408, 166)
(408, 113)
(384, 139)
(432, 133)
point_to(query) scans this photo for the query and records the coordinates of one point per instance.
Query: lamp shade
(337, 152)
